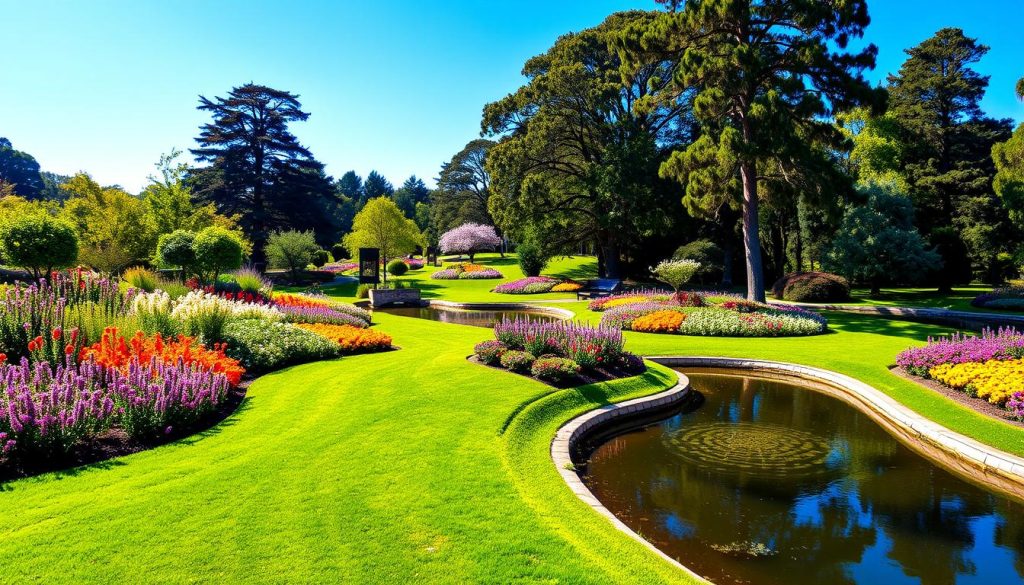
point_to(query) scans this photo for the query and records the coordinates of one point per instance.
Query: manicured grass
(408, 466)
(959, 300)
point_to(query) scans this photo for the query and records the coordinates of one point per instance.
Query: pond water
(768, 482)
(475, 317)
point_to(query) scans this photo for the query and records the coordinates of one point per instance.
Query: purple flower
(469, 238)
(1003, 344)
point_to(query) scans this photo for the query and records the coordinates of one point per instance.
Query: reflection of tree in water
(818, 523)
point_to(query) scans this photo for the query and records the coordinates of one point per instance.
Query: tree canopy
(21, 171)
(381, 224)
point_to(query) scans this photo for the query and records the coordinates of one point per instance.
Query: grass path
(392, 467)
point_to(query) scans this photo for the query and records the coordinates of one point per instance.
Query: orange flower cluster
(659, 322)
(567, 286)
(292, 300)
(114, 351)
(351, 339)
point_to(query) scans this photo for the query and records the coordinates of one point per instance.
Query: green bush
(554, 369)
(532, 257)
(38, 243)
(517, 361)
(710, 256)
(217, 250)
(177, 249)
(291, 250)
(141, 278)
(397, 267)
(363, 291)
(339, 252)
(811, 287)
(263, 346)
(490, 352)
(321, 257)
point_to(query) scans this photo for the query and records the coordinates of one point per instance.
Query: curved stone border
(570, 434)
(955, 452)
(553, 311)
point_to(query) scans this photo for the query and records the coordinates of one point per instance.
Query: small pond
(768, 482)
(475, 317)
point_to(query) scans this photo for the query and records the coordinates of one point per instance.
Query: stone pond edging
(957, 453)
(553, 311)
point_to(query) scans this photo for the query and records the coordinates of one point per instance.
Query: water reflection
(768, 483)
(477, 318)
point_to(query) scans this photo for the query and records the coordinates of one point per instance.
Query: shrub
(532, 258)
(321, 257)
(811, 287)
(291, 250)
(554, 369)
(178, 249)
(675, 273)
(261, 346)
(1001, 344)
(397, 267)
(363, 291)
(469, 238)
(708, 254)
(251, 281)
(517, 361)
(204, 315)
(481, 274)
(140, 278)
(153, 311)
(351, 339)
(558, 337)
(339, 252)
(38, 243)
(217, 249)
(446, 274)
(489, 352)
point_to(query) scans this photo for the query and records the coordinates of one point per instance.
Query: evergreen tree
(350, 185)
(463, 188)
(376, 186)
(21, 170)
(412, 193)
(767, 75)
(936, 98)
(258, 169)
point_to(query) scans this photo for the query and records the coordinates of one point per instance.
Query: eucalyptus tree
(768, 75)
(580, 144)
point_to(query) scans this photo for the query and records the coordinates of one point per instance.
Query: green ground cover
(413, 465)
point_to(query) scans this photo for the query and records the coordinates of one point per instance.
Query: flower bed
(989, 366)
(558, 353)
(465, 271)
(1010, 298)
(527, 286)
(689, 313)
(351, 339)
(339, 267)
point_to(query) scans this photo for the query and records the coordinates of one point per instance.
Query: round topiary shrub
(554, 369)
(811, 287)
(517, 361)
(397, 267)
(321, 257)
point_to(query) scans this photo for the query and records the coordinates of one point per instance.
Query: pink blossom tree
(469, 238)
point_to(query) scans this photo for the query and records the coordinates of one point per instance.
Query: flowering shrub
(204, 315)
(465, 270)
(414, 263)
(114, 351)
(675, 273)
(567, 286)
(1015, 405)
(340, 267)
(715, 321)
(993, 380)
(351, 339)
(469, 238)
(261, 346)
(325, 315)
(529, 285)
(637, 296)
(622, 317)
(1007, 298)
(560, 337)
(664, 321)
(554, 369)
(689, 299)
(517, 361)
(1002, 344)
(489, 352)
(481, 274)
(154, 312)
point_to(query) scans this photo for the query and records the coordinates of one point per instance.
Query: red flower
(3, 357)
(55, 334)
(69, 349)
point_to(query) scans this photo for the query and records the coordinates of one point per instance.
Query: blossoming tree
(469, 238)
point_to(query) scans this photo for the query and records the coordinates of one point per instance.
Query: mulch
(979, 405)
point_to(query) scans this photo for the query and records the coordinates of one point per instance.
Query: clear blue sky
(107, 86)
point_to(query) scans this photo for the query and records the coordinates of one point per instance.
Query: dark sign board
(369, 266)
(431, 256)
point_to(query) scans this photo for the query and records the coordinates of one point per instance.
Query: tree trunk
(728, 252)
(751, 238)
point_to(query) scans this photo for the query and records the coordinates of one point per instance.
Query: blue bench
(599, 287)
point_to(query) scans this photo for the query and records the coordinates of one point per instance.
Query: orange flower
(659, 322)
(351, 339)
(113, 351)
(292, 300)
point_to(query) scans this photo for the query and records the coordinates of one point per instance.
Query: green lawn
(958, 300)
(407, 466)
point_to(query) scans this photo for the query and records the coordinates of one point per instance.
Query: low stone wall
(382, 297)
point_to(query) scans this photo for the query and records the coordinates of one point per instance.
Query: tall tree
(936, 97)
(581, 143)
(412, 192)
(114, 229)
(1009, 160)
(768, 75)
(350, 185)
(380, 224)
(376, 186)
(463, 188)
(258, 169)
(21, 170)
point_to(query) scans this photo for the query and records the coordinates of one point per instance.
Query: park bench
(599, 287)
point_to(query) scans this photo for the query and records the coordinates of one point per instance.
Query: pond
(768, 482)
(475, 317)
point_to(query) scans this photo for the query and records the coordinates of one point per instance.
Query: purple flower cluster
(481, 274)
(562, 338)
(1005, 343)
(446, 274)
(529, 285)
(639, 294)
(46, 410)
(320, 314)
(414, 263)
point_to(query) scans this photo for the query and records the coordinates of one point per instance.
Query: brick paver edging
(959, 454)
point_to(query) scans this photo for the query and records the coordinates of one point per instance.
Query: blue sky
(107, 86)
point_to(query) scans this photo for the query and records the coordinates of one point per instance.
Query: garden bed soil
(592, 377)
(979, 405)
(116, 443)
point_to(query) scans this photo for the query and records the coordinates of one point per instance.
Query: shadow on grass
(878, 325)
